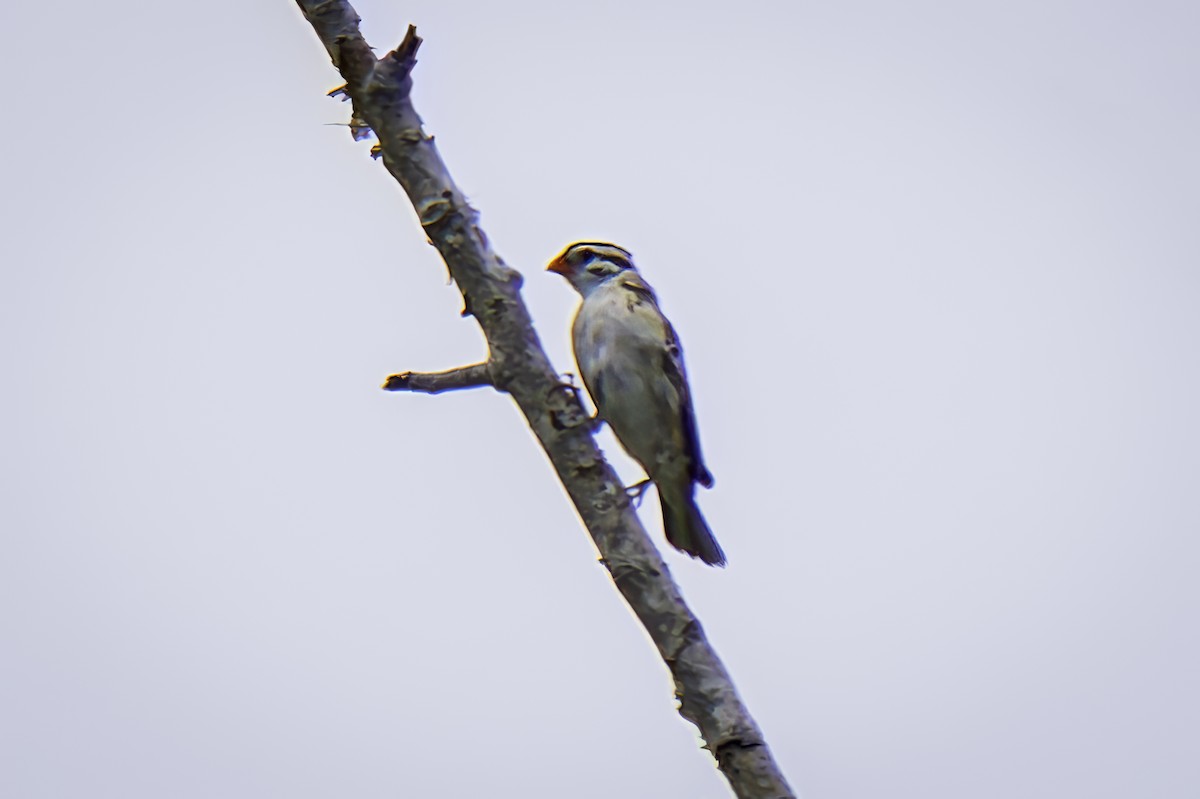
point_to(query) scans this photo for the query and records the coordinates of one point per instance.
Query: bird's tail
(687, 531)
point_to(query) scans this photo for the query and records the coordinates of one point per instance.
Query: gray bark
(380, 92)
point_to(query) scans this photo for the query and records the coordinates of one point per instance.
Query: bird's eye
(608, 264)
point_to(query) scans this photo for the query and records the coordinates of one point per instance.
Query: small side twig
(436, 382)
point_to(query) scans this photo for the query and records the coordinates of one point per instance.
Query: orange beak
(559, 266)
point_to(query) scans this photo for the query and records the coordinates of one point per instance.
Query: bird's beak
(559, 266)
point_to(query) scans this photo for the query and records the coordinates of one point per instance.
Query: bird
(631, 363)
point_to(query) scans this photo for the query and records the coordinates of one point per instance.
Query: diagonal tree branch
(380, 92)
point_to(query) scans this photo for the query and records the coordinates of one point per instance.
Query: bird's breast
(619, 349)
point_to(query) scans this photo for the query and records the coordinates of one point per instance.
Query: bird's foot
(594, 422)
(637, 492)
(566, 385)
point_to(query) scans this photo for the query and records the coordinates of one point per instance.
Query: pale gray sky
(935, 267)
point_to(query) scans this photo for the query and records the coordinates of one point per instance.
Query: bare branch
(379, 90)
(437, 382)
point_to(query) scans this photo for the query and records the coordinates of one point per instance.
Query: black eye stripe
(609, 257)
(584, 253)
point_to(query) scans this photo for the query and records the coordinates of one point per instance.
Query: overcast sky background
(935, 268)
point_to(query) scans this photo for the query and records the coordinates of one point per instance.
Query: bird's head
(587, 264)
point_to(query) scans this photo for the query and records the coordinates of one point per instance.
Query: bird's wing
(672, 363)
(673, 366)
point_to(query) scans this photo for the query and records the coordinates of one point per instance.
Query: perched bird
(631, 363)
